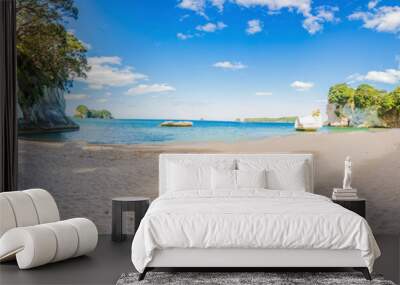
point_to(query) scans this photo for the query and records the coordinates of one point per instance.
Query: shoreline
(39, 130)
(184, 144)
(83, 178)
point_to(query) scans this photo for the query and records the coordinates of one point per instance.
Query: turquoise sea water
(133, 131)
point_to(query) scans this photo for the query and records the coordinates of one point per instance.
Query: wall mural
(104, 89)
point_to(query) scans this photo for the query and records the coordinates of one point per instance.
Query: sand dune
(83, 178)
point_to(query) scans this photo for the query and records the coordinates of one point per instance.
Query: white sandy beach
(83, 178)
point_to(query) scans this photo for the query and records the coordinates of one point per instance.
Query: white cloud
(219, 4)
(146, 89)
(107, 71)
(183, 36)
(184, 17)
(302, 6)
(197, 6)
(254, 26)
(301, 85)
(102, 100)
(86, 45)
(263, 93)
(77, 96)
(383, 19)
(211, 27)
(99, 60)
(353, 78)
(229, 65)
(207, 28)
(314, 23)
(388, 76)
(372, 4)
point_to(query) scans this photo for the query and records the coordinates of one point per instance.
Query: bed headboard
(165, 158)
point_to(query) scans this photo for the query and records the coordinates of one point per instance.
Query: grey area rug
(268, 278)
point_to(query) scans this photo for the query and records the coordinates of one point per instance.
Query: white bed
(248, 227)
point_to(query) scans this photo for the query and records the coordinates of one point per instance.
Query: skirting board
(189, 257)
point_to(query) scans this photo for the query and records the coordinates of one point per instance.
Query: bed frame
(246, 259)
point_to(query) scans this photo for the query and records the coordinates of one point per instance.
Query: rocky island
(364, 106)
(178, 124)
(83, 112)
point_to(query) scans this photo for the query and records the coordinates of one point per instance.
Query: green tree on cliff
(367, 96)
(390, 108)
(48, 56)
(341, 94)
(364, 96)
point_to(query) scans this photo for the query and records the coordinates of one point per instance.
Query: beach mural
(104, 89)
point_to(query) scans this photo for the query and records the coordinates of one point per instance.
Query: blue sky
(217, 59)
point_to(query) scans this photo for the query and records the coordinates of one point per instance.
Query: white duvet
(250, 219)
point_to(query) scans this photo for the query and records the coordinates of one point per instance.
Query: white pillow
(291, 178)
(193, 174)
(187, 177)
(223, 179)
(251, 178)
(288, 175)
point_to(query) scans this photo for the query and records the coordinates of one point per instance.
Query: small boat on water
(176, 124)
(309, 123)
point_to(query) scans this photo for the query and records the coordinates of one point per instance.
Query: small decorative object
(347, 173)
(347, 192)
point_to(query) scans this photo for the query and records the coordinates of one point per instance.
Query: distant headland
(290, 119)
